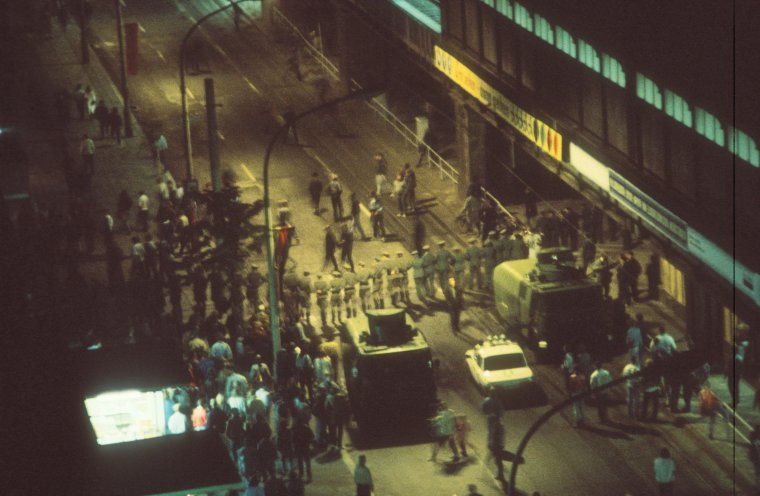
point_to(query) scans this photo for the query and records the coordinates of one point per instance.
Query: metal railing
(433, 158)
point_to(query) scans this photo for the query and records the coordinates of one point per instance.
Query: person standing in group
(91, 101)
(143, 205)
(651, 387)
(81, 101)
(101, 115)
(576, 386)
(710, 406)
(356, 217)
(633, 387)
(653, 277)
(487, 219)
(471, 212)
(664, 473)
(363, 478)
(634, 340)
(418, 272)
(632, 267)
(588, 253)
(376, 215)
(601, 377)
(381, 172)
(335, 190)
(410, 189)
(399, 190)
(114, 125)
(474, 274)
(331, 244)
(315, 192)
(428, 268)
(347, 246)
(455, 300)
(443, 429)
(87, 150)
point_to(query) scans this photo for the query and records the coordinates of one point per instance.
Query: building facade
(644, 108)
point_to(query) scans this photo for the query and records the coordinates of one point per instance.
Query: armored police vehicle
(552, 303)
(389, 369)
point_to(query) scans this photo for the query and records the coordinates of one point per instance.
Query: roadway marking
(248, 172)
(189, 93)
(160, 55)
(251, 85)
(219, 133)
(141, 28)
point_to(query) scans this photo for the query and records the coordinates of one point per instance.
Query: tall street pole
(183, 87)
(272, 278)
(128, 133)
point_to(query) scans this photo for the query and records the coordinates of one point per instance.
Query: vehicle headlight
(543, 344)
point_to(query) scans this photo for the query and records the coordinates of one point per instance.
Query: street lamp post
(123, 69)
(183, 86)
(272, 278)
(683, 361)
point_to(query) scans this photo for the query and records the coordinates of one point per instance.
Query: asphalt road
(251, 78)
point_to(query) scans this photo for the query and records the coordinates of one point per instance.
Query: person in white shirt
(143, 206)
(634, 388)
(323, 369)
(177, 422)
(664, 472)
(599, 378)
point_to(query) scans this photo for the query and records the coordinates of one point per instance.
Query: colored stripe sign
(549, 140)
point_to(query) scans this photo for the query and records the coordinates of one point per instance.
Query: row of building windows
(675, 106)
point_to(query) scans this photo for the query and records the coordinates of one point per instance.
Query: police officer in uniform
(336, 302)
(474, 258)
(394, 280)
(442, 259)
(500, 247)
(349, 291)
(428, 265)
(363, 275)
(403, 284)
(304, 295)
(489, 259)
(378, 272)
(418, 272)
(321, 289)
(459, 257)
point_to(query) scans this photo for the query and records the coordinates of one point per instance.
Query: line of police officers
(388, 276)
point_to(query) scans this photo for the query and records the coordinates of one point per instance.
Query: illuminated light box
(124, 416)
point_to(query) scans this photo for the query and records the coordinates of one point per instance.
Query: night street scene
(380, 247)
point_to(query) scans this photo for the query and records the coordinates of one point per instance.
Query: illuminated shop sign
(589, 167)
(724, 264)
(641, 205)
(548, 139)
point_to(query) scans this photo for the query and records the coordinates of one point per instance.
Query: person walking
(376, 215)
(455, 300)
(381, 172)
(101, 115)
(87, 150)
(356, 217)
(651, 387)
(664, 473)
(410, 190)
(428, 268)
(331, 244)
(601, 377)
(363, 478)
(347, 246)
(160, 146)
(335, 190)
(634, 340)
(416, 264)
(588, 253)
(496, 444)
(315, 192)
(487, 219)
(443, 430)
(114, 125)
(303, 437)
